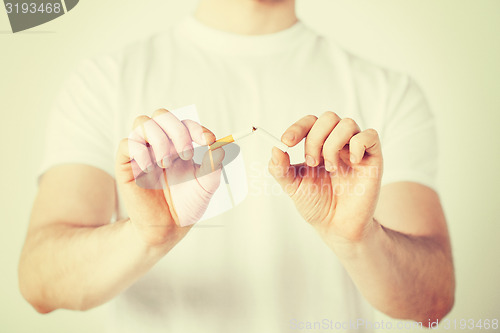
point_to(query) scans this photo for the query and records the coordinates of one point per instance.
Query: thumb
(209, 172)
(279, 167)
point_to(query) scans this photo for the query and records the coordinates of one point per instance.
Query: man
(270, 268)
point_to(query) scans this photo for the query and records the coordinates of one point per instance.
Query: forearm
(66, 266)
(406, 277)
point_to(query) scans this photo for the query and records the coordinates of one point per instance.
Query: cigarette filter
(231, 138)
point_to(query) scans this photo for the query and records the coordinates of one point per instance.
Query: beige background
(452, 48)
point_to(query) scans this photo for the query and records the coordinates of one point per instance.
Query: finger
(201, 135)
(130, 151)
(339, 137)
(176, 132)
(137, 144)
(364, 142)
(317, 136)
(138, 134)
(208, 174)
(295, 133)
(160, 143)
(124, 168)
(279, 167)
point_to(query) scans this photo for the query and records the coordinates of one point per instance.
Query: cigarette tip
(254, 128)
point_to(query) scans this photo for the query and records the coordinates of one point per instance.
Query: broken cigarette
(237, 136)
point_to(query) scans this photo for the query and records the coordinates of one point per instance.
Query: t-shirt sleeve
(409, 138)
(80, 126)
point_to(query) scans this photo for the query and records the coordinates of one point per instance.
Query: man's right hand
(80, 259)
(163, 189)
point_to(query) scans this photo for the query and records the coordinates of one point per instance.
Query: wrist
(155, 240)
(346, 248)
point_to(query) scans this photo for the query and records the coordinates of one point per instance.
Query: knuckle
(349, 122)
(330, 116)
(310, 117)
(140, 120)
(372, 132)
(160, 112)
(303, 125)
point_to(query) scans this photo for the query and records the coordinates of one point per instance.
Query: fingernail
(310, 161)
(187, 153)
(149, 168)
(328, 166)
(288, 137)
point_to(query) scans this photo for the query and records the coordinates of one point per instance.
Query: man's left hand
(337, 187)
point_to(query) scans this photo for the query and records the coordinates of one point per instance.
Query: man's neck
(247, 17)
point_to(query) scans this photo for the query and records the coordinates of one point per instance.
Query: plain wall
(451, 47)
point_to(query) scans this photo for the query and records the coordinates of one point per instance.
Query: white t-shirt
(258, 267)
